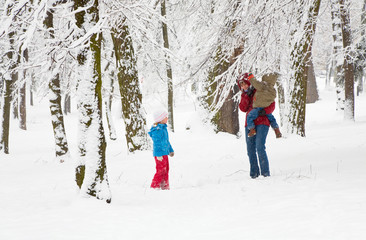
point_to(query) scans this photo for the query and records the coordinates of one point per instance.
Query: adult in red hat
(256, 145)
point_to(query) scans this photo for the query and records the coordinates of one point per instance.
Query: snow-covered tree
(129, 86)
(348, 64)
(62, 149)
(300, 63)
(91, 172)
(338, 55)
(169, 74)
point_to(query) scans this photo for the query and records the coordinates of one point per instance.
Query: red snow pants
(161, 178)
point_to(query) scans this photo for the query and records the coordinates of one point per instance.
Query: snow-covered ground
(316, 191)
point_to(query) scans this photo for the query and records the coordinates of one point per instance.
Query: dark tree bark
(9, 79)
(4, 140)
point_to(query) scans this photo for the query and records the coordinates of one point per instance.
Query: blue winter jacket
(159, 135)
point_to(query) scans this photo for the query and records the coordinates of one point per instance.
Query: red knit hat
(243, 78)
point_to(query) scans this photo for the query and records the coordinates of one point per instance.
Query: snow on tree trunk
(59, 132)
(108, 83)
(57, 118)
(129, 87)
(349, 107)
(91, 172)
(300, 59)
(226, 119)
(338, 57)
(360, 72)
(168, 69)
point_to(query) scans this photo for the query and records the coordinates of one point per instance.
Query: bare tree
(169, 74)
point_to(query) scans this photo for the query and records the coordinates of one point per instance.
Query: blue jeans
(253, 114)
(257, 145)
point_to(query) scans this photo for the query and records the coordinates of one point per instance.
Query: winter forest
(98, 69)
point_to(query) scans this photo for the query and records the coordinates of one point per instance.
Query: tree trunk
(129, 87)
(300, 58)
(281, 101)
(312, 89)
(59, 132)
(4, 140)
(349, 108)
(337, 65)
(9, 78)
(67, 104)
(108, 84)
(168, 69)
(227, 117)
(91, 173)
(31, 90)
(22, 96)
(57, 118)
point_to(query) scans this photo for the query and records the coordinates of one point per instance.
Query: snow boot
(252, 132)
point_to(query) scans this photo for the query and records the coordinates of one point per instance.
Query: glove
(171, 154)
(250, 91)
(262, 112)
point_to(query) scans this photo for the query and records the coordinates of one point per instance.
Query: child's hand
(171, 154)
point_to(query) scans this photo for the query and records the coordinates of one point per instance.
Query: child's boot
(278, 133)
(252, 132)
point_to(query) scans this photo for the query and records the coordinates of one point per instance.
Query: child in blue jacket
(161, 150)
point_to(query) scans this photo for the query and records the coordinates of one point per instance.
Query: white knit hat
(159, 115)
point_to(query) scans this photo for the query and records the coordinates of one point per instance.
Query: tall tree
(22, 96)
(349, 108)
(58, 125)
(91, 172)
(168, 68)
(337, 58)
(108, 83)
(226, 118)
(9, 78)
(300, 59)
(129, 87)
(360, 62)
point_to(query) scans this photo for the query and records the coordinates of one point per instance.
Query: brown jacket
(266, 93)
